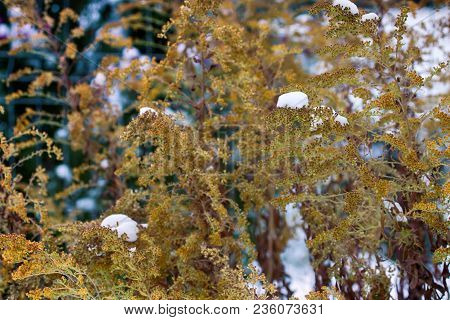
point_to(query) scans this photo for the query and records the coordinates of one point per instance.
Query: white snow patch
(22, 31)
(357, 103)
(370, 16)
(101, 182)
(191, 52)
(298, 28)
(123, 225)
(130, 53)
(93, 12)
(181, 47)
(15, 12)
(346, 4)
(391, 205)
(85, 204)
(393, 273)
(320, 67)
(209, 37)
(401, 218)
(61, 133)
(100, 79)
(117, 32)
(425, 180)
(296, 32)
(4, 30)
(104, 164)
(375, 151)
(257, 287)
(180, 117)
(263, 22)
(116, 100)
(257, 266)
(316, 122)
(145, 63)
(128, 228)
(341, 120)
(293, 100)
(144, 110)
(63, 172)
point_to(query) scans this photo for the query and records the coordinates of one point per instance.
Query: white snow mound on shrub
(123, 225)
(130, 53)
(370, 16)
(293, 100)
(100, 79)
(147, 109)
(346, 4)
(341, 120)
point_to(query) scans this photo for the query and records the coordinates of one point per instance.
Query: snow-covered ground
(296, 256)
